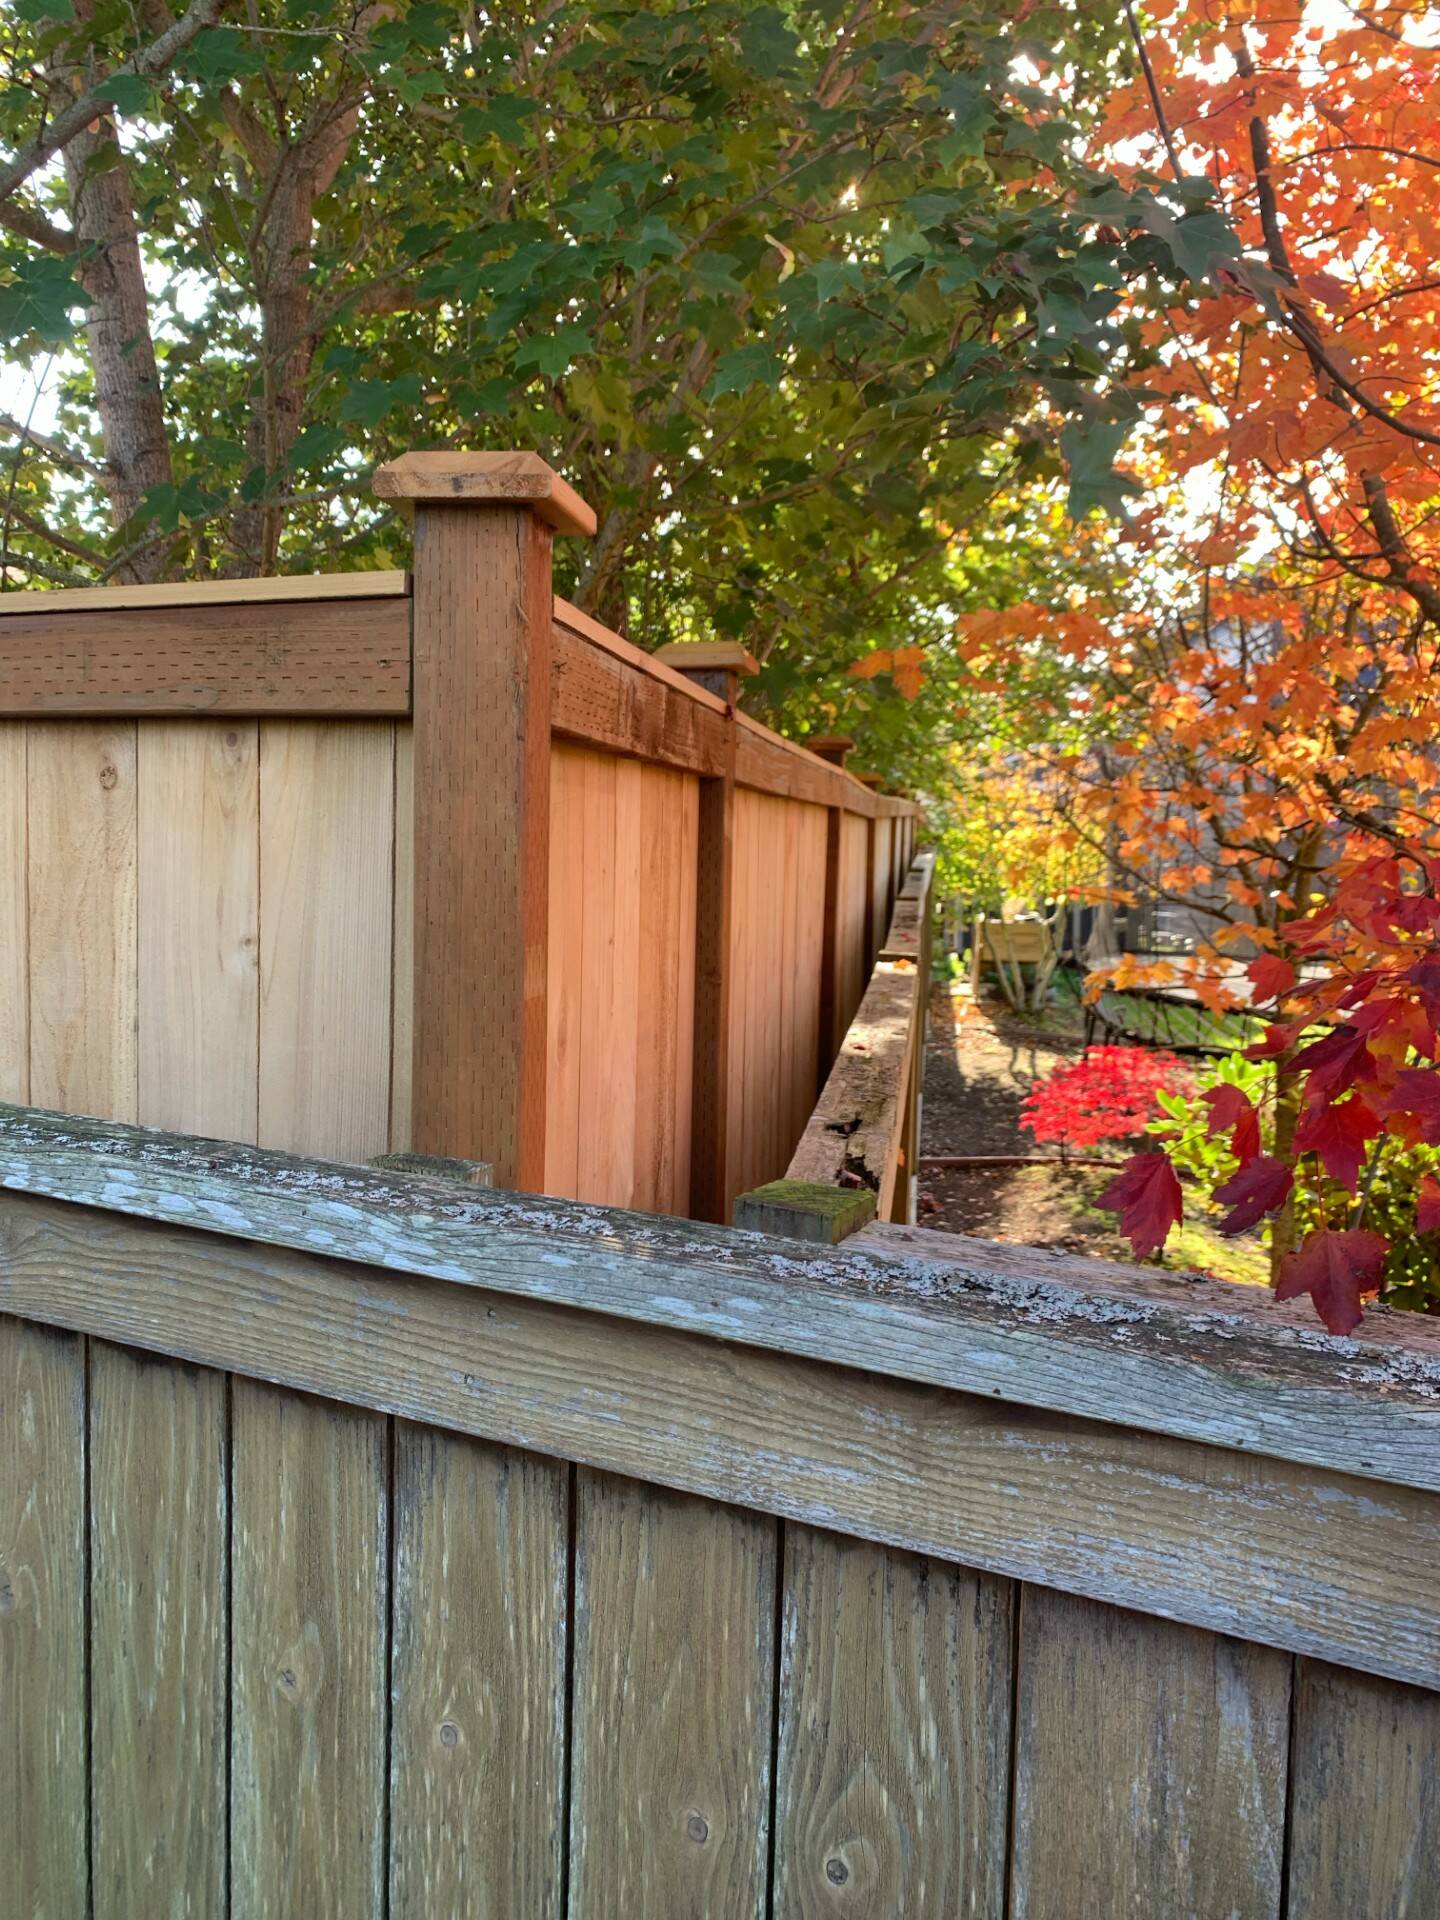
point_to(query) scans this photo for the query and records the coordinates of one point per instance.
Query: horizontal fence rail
(440, 1549)
(369, 863)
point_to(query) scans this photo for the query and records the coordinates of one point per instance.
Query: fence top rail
(1162, 1352)
(387, 584)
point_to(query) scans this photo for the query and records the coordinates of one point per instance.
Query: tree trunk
(122, 353)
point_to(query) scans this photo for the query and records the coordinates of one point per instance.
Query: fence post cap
(486, 480)
(708, 656)
(834, 747)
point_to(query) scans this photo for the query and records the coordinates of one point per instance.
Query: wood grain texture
(674, 1629)
(44, 1845)
(482, 807)
(894, 1748)
(82, 890)
(566, 966)
(307, 1773)
(770, 764)
(584, 626)
(615, 706)
(199, 927)
(665, 977)
(855, 1129)
(1150, 1770)
(159, 1688)
(714, 1173)
(1159, 1352)
(478, 1680)
(609, 985)
(1308, 1559)
(496, 480)
(1365, 1798)
(14, 916)
(326, 877)
(383, 584)
(313, 656)
(402, 1005)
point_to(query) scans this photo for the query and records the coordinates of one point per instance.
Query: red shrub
(1107, 1094)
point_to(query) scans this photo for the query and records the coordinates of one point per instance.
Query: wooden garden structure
(367, 863)
(374, 1546)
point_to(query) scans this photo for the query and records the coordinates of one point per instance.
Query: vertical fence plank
(1150, 1767)
(14, 918)
(199, 931)
(683, 1092)
(1364, 1798)
(599, 1052)
(658, 962)
(327, 800)
(477, 1799)
(402, 1016)
(832, 950)
(674, 1630)
(566, 965)
(714, 1178)
(894, 1747)
(309, 1688)
(44, 1852)
(159, 1496)
(82, 888)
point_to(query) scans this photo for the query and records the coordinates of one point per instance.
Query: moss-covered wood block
(806, 1210)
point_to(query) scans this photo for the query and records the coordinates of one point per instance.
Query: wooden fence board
(309, 1687)
(566, 967)
(327, 800)
(160, 1689)
(674, 1631)
(402, 1014)
(313, 656)
(1308, 1559)
(894, 1750)
(14, 917)
(1150, 1768)
(83, 963)
(1163, 1353)
(478, 1680)
(44, 1842)
(199, 926)
(665, 962)
(1365, 1798)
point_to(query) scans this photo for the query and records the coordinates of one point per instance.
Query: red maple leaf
(1259, 1187)
(1335, 1269)
(1427, 1205)
(1229, 1107)
(1271, 976)
(1147, 1197)
(1338, 1131)
(1417, 1093)
(1335, 1063)
(1278, 1040)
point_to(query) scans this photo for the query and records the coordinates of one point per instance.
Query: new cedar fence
(357, 864)
(371, 1547)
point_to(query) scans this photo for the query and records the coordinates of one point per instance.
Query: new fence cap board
(486, 479)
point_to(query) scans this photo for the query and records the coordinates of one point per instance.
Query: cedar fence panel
(355, 864)
(374, 1547)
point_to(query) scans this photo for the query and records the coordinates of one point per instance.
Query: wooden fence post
(483, 606)
(716, 665)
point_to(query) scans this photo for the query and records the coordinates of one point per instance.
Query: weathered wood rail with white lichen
(375, 1546)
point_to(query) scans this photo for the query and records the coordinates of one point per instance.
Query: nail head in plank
(894, 1747)
(674, 1652)
(478, 1680)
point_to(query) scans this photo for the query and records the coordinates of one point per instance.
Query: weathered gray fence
(371, 1546)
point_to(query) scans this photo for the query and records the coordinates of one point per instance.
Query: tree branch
(96, 100)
